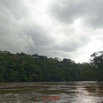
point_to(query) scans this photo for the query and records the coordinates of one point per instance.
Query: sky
(54, 28)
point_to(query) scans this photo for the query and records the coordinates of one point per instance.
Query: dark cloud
(41, 40)
(66, 11)
(18, 32)
(39, 36)
(12, 37)
(29, 26)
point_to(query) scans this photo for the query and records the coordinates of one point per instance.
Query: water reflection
(85, 96)
(87, 92)
(52, 92)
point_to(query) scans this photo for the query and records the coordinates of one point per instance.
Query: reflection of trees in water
(54, 92)
(96, 90)
(88, 92)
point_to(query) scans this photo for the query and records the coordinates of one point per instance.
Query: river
(52, 92)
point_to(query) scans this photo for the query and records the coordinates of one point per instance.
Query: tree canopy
(25, 67)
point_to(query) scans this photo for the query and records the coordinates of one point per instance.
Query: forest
(21, 67)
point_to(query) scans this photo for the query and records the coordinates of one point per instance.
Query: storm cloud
(62, 28)
(17, 31)
(90, 11)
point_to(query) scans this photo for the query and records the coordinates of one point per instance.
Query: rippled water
(52, 92)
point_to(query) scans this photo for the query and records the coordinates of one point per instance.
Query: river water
(52, 92)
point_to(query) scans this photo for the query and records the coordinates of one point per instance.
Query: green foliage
(23, 67)
(97, 61)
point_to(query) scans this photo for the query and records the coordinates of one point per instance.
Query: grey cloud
(12, 37)
(41, 40)
(13, 9)
(66, 11)
(39, 36)
(67, 47)
(17, 32)
(73, 44)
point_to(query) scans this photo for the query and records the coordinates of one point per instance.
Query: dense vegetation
(24, 67)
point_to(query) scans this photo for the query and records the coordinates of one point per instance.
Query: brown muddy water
(52, 92)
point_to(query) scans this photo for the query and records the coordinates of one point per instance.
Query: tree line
(21, 67)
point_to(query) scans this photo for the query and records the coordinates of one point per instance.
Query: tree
(97, 61)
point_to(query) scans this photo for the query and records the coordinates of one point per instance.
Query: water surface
(52, 92)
